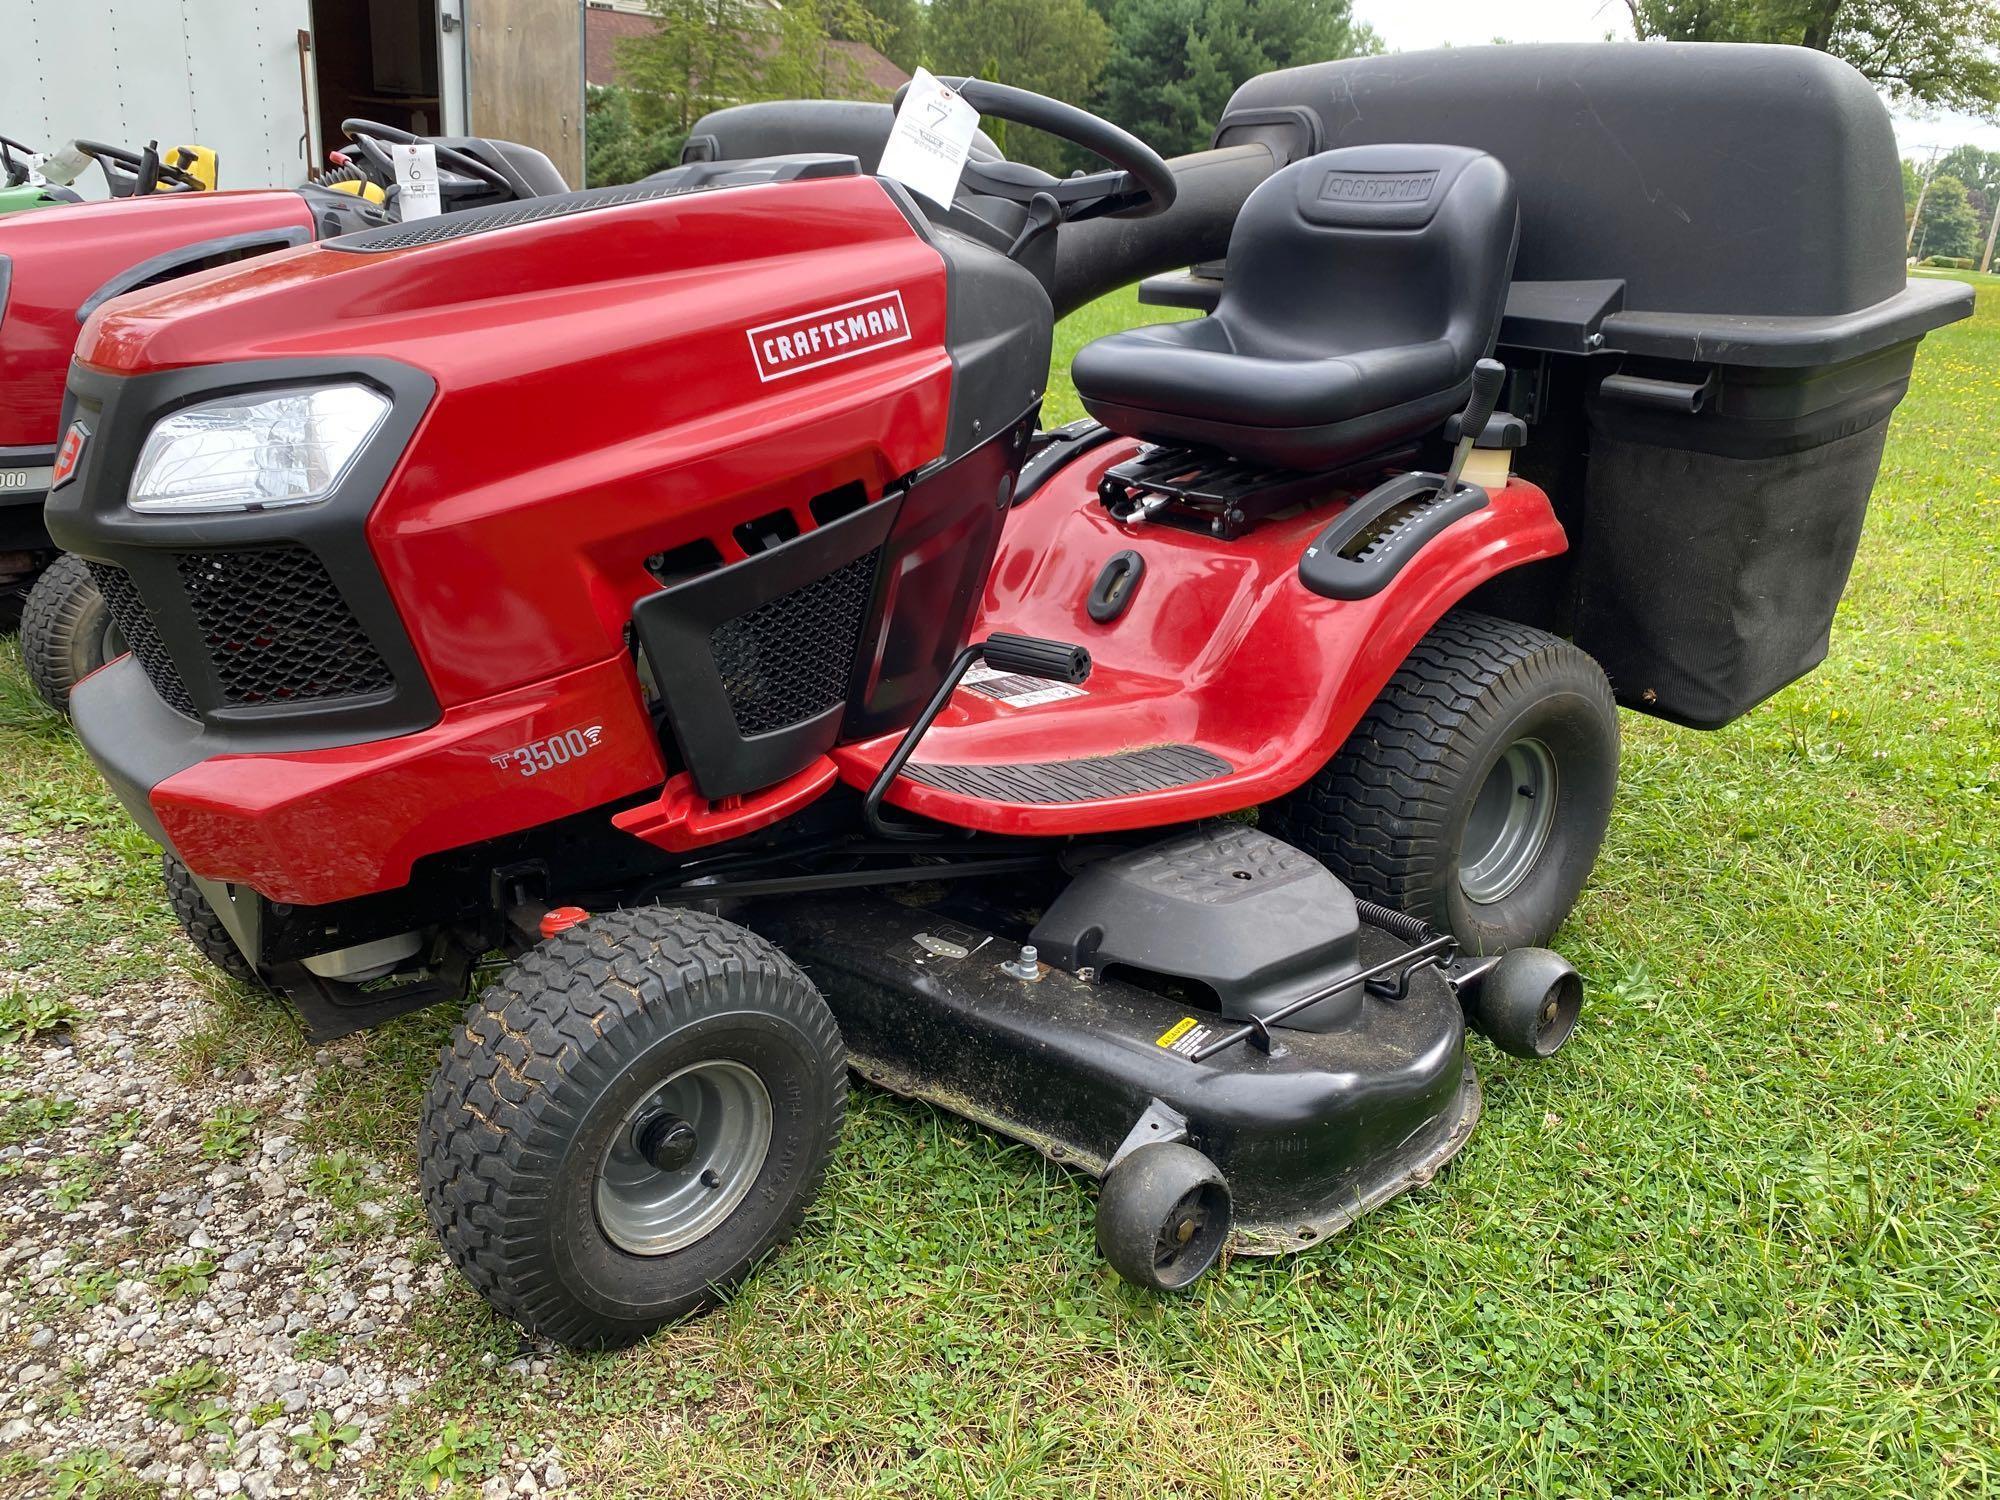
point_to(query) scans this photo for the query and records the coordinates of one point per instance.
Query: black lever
(1057, 661)
(1463, 430)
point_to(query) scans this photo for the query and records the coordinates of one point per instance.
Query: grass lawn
(1740, 1238)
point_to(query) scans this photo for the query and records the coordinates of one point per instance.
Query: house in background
(607, 22)
(266, 83)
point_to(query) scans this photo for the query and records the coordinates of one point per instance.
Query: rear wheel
(202, 926)
(1476, 792)
(628, 1120)
(66, 630)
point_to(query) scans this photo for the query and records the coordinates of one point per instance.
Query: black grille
(792, 658)
(135, 624)
(276, 628)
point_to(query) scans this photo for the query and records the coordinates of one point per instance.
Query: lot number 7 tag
(930, 140)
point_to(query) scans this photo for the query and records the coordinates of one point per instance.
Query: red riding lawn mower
(58, 265)
(666, 587)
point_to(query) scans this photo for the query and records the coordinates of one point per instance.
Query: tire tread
(203, 927)
(494, 1117)
(1376, 813)
(55, 607)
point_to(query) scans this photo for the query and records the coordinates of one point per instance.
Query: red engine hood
(634, 280)
(59, 258)
(609, 384)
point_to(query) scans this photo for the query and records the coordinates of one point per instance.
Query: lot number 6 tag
(417, 177)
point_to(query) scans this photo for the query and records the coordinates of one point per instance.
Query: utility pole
(1986, 263)
(1917, 215)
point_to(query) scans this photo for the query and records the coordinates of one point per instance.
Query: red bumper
(315, 826)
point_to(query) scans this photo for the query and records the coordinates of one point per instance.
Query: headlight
(256, 451)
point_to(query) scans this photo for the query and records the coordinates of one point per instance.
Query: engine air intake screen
(791, 658)
(277, 629)
(135, 625)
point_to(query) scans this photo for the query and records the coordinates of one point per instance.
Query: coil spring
(328, 176)
(1412, 930)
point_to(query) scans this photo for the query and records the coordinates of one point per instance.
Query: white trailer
(266, 83)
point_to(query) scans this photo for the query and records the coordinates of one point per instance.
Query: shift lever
(1463, 430)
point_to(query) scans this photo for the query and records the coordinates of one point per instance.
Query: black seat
(1362, 286)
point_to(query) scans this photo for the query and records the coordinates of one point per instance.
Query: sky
(1407, 25)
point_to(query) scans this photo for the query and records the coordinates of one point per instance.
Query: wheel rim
(1182, 1249)
(112, 645)
(1509, 824)
(683, 1158)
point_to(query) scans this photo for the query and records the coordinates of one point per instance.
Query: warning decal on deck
(1185, 1036)
(1015, 690)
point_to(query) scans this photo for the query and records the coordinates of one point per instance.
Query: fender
(1221, 647)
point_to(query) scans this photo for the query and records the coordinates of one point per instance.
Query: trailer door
(525, 62)
(227, 76)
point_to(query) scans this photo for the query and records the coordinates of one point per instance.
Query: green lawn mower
(33, 180)
(21, 186)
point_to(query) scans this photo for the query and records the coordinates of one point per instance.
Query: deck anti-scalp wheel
(66, 630)
(1162, 1216)
(627, 1120)
(203, 927)
(1528, 1003)
(1476, 791)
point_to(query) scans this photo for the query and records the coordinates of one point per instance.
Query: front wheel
(203, 927)
(66, 630)
(1476, 791)
(628, 1120)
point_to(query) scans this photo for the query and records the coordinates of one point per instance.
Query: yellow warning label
(1176, 1031)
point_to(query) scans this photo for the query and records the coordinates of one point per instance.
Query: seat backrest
(1373, 246)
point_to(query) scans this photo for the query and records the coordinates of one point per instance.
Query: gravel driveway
(189, 1299)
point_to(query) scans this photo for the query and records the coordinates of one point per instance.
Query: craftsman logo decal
(832, 334)
(69, 455)
(1377, 187)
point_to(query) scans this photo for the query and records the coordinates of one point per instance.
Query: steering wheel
(16, 172)
(1139, 185)
(368, 133)
(146, 167)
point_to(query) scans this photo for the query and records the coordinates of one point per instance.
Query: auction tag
(65, 164)
(417, 177)
(930, 140)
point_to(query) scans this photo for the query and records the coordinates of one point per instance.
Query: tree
(897, 31)
(1948, 226)
(1978, 170)
(1055, 47)
(1944, 53)
(1174, 63)
(697, 56)
(804, 60)
(619, 148)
